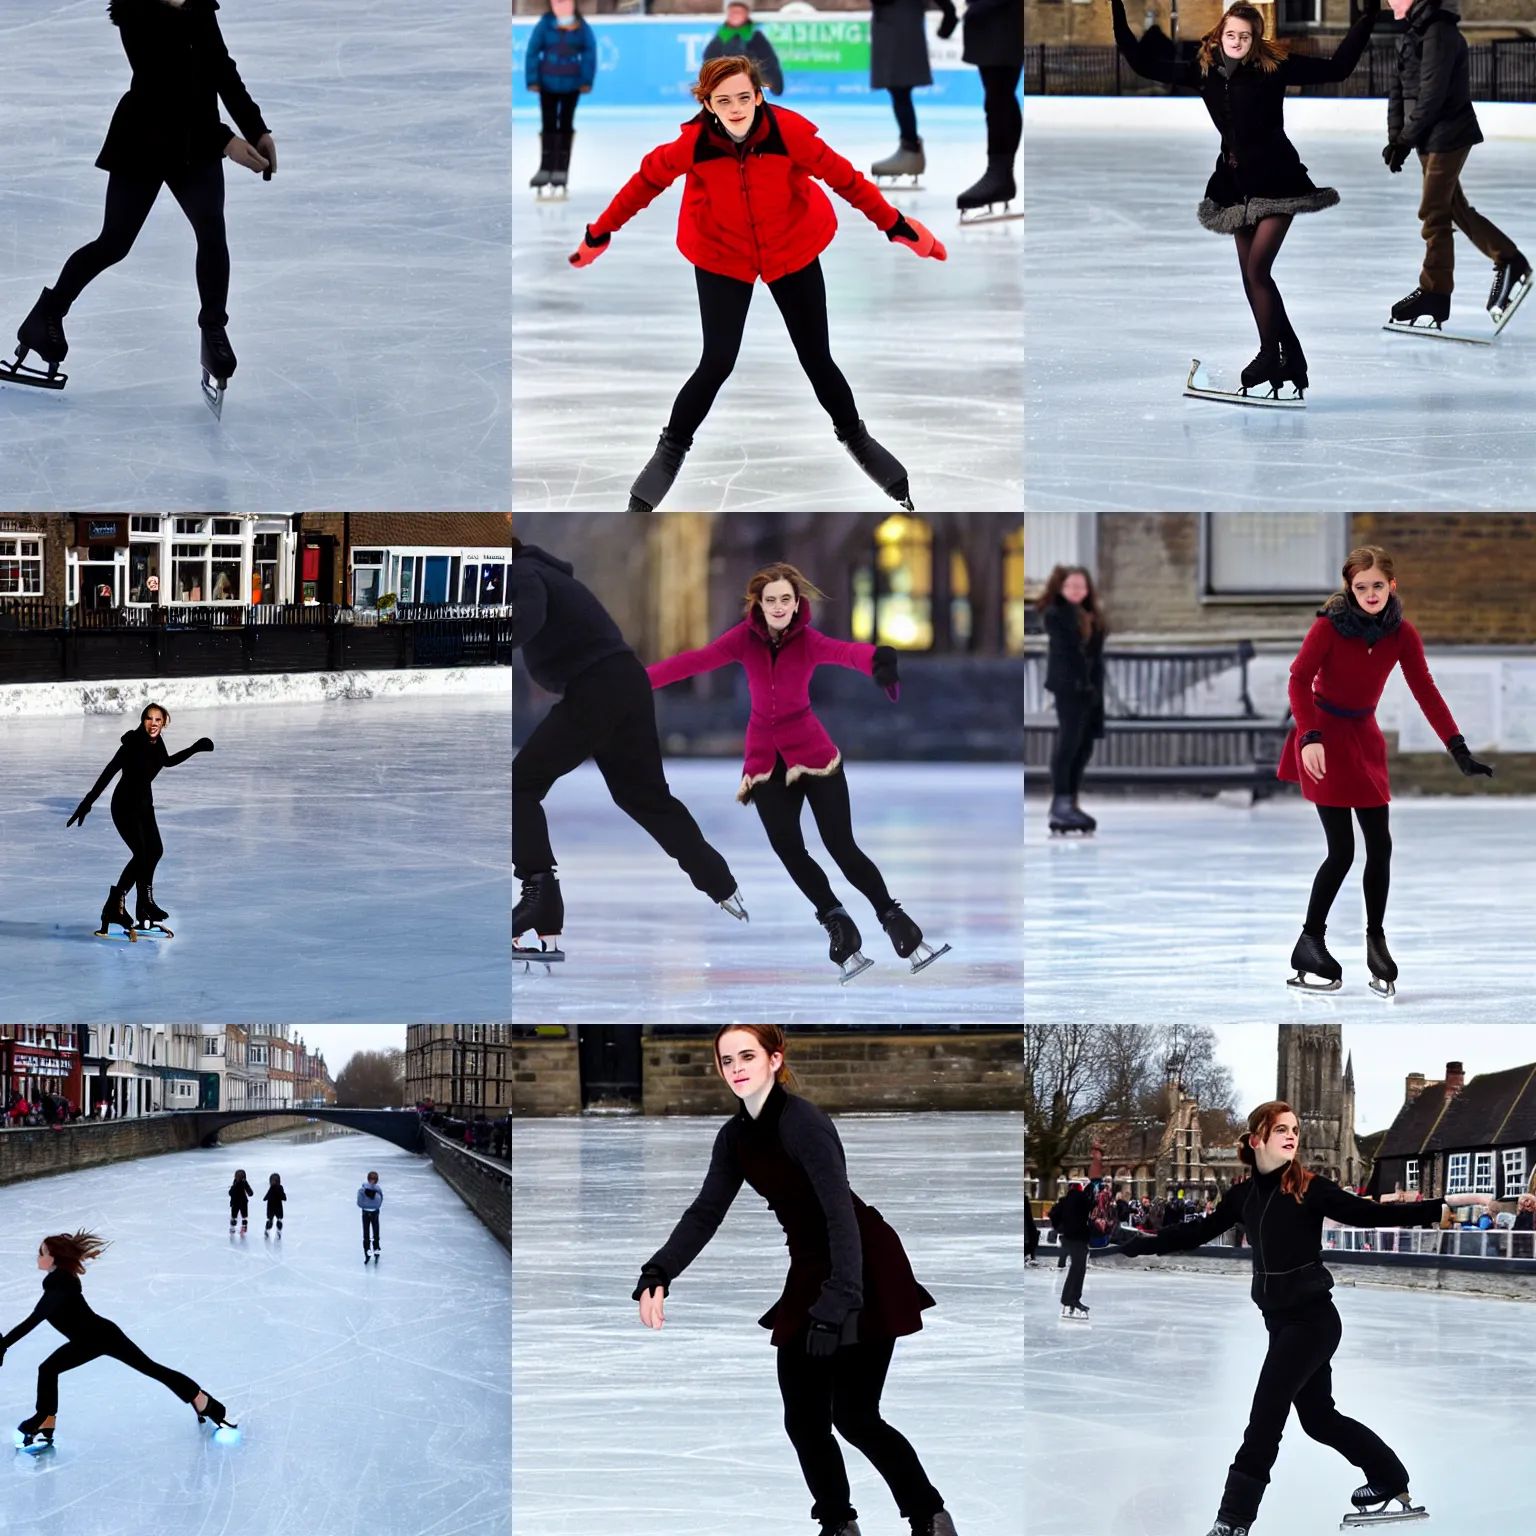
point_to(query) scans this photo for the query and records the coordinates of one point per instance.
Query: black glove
(821, 1341)
(885, 673)
(202, 744)
(1395, 154)
(950, 22)
(81, 812)
(651, 1277)
(1469, 765)
(901, 227)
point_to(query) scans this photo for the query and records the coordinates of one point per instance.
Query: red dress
(1335, 686)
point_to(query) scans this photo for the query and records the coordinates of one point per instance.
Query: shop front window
(143, 573)
(406, 586)
(227, 572)
(21, 568)
(470, 591)
(367, 578)
(434, 579)
(189, 573)
(493, 584)
(264, 575)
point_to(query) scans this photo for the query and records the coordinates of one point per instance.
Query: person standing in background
(369, 1200)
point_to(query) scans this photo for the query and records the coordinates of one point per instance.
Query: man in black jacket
(1429, 109)
(1069, 1216)
(571, 646)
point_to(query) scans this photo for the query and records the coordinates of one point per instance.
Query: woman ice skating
(276, 1197)
(561, 65)
(1336, 752)
(63, 1258)
(370, 1199)
(165, 132)
(849, 1295)
(1069, 1218)
(239, 1201)
(1282, 1207)
(750, 211)
(1074, 677)
(140, 758)
(1429, 111)
(898, 63)
(791, 759)
(992, 34)
(739, 38)
(1259, 184)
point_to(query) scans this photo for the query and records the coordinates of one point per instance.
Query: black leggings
(129, 199)
(1341, 854)
(723, 301)
(906, 113)
(1297, 1372)
(778, 808)
(1074, 747)
(238, 1208)
(136, 825)
(558, 109)
(104, 1339)
(1076, 1250)
(1257, 248)
(1005, 117)
(370, 1224)
(843, 1393)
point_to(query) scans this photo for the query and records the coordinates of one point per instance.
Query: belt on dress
(1339, 709)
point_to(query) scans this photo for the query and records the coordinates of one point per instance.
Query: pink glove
(589, 249)
(916, 237)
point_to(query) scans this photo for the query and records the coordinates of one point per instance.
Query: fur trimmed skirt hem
(1228, 218)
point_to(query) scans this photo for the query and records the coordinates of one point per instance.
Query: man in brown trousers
(1429, 109)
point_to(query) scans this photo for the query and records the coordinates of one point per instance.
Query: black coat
(139, 759)
(168, 123)
(760, 51)
(992, 34)
(1069, 1216)
(1429, 98)
(1074, 667)
(1258, 172)
(898, 43)
(560, 625)
(275, 1197)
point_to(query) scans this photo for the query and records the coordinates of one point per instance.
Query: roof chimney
(1414, 1086)
(1455, 1078)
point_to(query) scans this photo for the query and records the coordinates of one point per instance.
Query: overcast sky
(1385, 1053)
(340, 1042)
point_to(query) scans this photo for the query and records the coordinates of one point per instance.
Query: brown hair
(1269, 56)
(1261, 1122)
(771, 1038)
(1090, 616)
(73, 1250)
(1367, 557)
(716, 70)
(780, 570)
(165, 714)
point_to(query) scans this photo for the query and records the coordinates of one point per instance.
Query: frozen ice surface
(1392, 422)
(622, 1431)
(1134, 1419)
(328, 862)
(368, 303)
(643, 946)
(372, 1401)
(932, 351)
(1189, 909)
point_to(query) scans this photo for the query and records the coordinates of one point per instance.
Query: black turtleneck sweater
(139, 760)
(1286, 1235)
(64, 1305)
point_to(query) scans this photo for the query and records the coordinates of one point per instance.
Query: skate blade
(894, 183)
(855, 965)
(1385, 990)
(1388, 1517)
(988, 215)
(1434, 333)
(550, 194)
(18, 373)
(1199, 387)
(546, 955)
(214, 396)
(1501, 317)
(117, 938)
(1300, 985)
(929, 958)
(37, 1448)
(154, 933)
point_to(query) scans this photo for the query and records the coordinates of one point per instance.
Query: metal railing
(1453, 1242)
(27, 613)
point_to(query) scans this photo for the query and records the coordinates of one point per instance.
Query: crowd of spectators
(490, 1138)
(50, 1109)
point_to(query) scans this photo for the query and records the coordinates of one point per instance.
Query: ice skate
(978, 204)
(907, 938)
(843, 951)
(880, 464)
(1065, 818)
(114, 914)
(213, 1411)
(908, 161)
(560, 166)
(1385, 1515)
(1090, 823)
(1383, 967)
(1511, 283)
(1199, 387)
(540, 908)
(1311, 958)
(1074, 1313)
(839, 1528)
(1423, 313)
(655, 480)
(542, 179)
(149, 918)
(218, 367)
(41, 332)
(35, 1435)
(1225, 1528)
(734, 905)
(934, 1525)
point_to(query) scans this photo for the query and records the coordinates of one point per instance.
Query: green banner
(820, 45)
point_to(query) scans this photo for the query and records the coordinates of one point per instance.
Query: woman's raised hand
(589, 249)
(1313, 760)
(652, 1307)
(246, 154)
(202, 744)
(81, 812)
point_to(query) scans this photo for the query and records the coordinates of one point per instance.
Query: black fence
(1500, 71)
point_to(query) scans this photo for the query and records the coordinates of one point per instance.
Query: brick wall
(482, 1185)
(491, 530)
(546, 1077)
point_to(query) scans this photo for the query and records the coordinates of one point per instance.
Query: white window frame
(1458, 1170)
(1331, 530)
(1410, 1174)
(1513, 1167)
(1483, 1173)
(26, 552)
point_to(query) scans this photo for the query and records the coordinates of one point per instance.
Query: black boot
(114, 914)
(907, 938)
(996, 186)
(562, 162)
(39, 1426)
(839, 1528)
(1311, 957)
(880, 464)
(1382, 966)
(1263, 368)
(215, 1410)
(541, 177)
(540, 908)
(41, 332)
(843, 951)
(1422, 304)
(655, 480)
(1065, 817)
(936, 1524)
(1293, 365)
(1508, 278)
(218, 367)
(150, 918)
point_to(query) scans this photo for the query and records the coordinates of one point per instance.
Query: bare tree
(372, 1080)
(1072, 1079)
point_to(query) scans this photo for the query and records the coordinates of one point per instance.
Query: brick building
(39, 1058)
(465, 1070)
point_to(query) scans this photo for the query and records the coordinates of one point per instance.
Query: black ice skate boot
(996, 186)
(1091, 823)
(541, 177)
(114, 914)
(936, 1524)
(1421, 304)
(218, 367)
(843, 951)
(1368, 1494)
(880, 464)
(908, 160)
(1226, 1528)
(540, 908)
(1066, 818)
(907, 938)
(150, 918)
(1293, 366)
(41, 332)
(1383, 967)
(1311, 957)
(655, 480)
(39, 1427)
(1264, 369)
(1511, 283)
(212, 1409)
(559, 171)
(848, 1527)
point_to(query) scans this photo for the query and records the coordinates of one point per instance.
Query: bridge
(401, 1127)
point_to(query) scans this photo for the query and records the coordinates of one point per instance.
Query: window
(264, 578)
(21, 567)
(142, 522)
(189, 572)
(227, 566)
(226, 527)
(192, 525)
(1271, 556)
(1484, 1183)
(1456, 1177)
(893, 597)
(143, 573)
(1514, 1171)
(1300, 13)
(493, 588)
(1411, 1174)
(367, 577)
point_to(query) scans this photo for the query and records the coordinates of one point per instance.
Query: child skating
(370, 1200)
(750, 210)
(139, 759)
(239, 1202)
(790, 759)
(165, 132)
(276, 1197)
(560, 68)
(1336, 752)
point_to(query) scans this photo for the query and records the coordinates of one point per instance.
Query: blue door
(434, 582)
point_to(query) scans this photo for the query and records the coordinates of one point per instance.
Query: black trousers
(778, 808)
(1076, 1250)
(370, 1224)
(608, 714)
(842, 1392)
(1073, 749)
(1377, 880)
(723, 303)
(1005, 117)
(129, 198)
(1297, 1372)
(136, 825)
(558, 109)
(906, 113)
(107, 1339)
(238, 1208)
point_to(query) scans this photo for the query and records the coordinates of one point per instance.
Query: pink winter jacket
(781, 721)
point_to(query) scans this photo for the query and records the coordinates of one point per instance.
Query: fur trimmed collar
(1354, 623)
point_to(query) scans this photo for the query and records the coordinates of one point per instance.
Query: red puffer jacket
(749, 210)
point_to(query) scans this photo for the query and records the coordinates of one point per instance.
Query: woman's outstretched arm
(857, 655)
(1166, 70)
(83, 809)
(1191, 1234)
(1306, 69)
(699, 1222)
(718, 653)
(202, 744)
